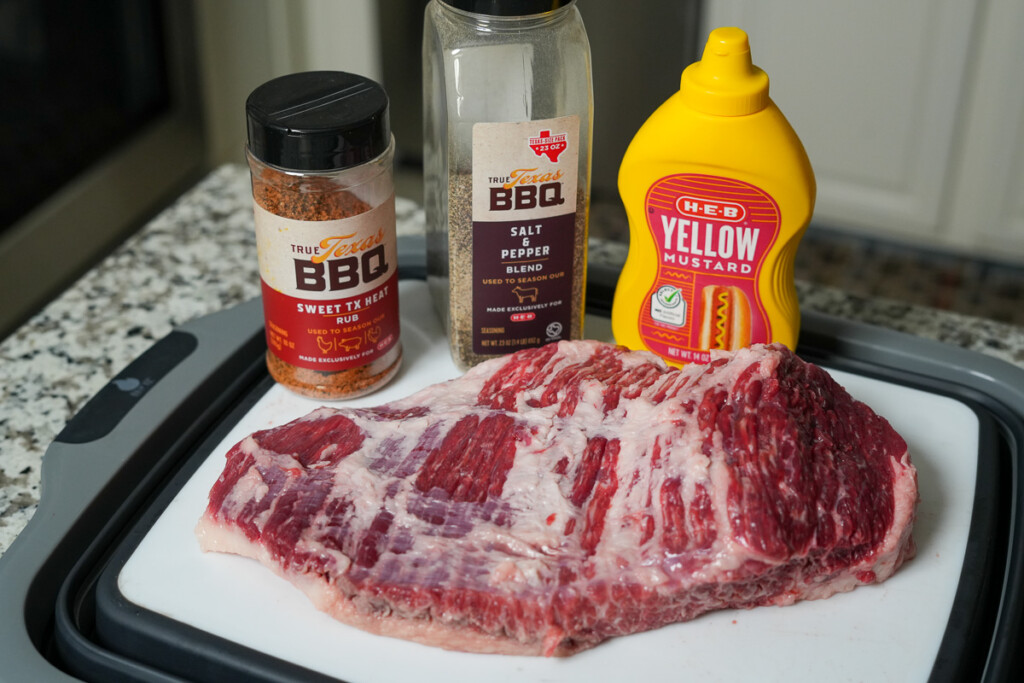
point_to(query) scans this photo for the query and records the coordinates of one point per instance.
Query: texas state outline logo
(551, 146)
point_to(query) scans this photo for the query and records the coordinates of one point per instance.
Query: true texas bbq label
(330, 288)
(524, 232)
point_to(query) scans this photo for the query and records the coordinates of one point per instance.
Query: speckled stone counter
(198, 257)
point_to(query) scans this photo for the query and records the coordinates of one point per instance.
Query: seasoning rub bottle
(508, 107)
(320, 153)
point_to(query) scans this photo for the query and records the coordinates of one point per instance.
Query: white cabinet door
(874, 89)
(987, 201)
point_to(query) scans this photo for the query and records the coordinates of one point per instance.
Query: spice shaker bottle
(508, 108)
(320, 154)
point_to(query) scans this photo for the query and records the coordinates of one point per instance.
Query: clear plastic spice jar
(508, 107)
(320, 154)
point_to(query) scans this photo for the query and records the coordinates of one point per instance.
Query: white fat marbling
(198, 256)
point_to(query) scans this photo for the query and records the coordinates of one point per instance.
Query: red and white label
(708, 232)
(548, 145)
(702, 207)
(330, 288)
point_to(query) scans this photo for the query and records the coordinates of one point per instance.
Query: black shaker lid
(507, 8)
(318, 121)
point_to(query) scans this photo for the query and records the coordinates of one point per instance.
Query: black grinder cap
(318, 121)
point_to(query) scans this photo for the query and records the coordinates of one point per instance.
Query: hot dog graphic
(725, 318)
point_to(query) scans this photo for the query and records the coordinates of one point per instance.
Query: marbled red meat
(563, 495)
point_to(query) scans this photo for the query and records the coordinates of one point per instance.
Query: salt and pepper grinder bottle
(508, 110)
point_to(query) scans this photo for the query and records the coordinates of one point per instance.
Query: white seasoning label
(525, 170)
(526, 233)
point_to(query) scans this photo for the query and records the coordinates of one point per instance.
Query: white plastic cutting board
(889, 632)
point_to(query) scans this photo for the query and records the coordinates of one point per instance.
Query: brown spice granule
(306, 198)
(460, 256)
(318, 198)
(335, 385)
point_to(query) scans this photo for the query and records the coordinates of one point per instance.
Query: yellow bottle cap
(725, 82)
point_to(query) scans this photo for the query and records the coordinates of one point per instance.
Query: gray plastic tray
(113, 459)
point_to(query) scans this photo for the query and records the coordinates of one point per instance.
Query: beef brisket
(563, 495)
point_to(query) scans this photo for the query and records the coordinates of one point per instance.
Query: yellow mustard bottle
(718, 191)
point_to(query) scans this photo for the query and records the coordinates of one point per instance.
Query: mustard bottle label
(711, 237)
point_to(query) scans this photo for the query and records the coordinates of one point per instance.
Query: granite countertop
(199, 256)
